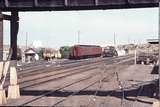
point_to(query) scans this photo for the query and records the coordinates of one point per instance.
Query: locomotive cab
(109, 51)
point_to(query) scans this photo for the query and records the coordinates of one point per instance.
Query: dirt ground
(102, 94)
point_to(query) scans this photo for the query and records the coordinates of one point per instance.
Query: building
(30, 55)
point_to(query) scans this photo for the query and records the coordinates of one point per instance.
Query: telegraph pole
(128, 40)
(114, 39)
(26, 40)
(78, 37)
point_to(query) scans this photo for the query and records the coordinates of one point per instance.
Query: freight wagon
(85, 51)
(147, 58)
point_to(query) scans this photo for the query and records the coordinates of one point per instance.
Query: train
(109, 51)
(85, 51)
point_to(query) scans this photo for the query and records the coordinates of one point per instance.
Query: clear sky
(61, 28)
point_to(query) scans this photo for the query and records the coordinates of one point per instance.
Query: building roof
(30, 51)
(153, 41)
(87, 45)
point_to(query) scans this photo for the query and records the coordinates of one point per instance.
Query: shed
(30, 54)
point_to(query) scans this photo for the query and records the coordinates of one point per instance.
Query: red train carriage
(85, 51)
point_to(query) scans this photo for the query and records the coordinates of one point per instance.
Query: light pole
(26, 40)
(114, 39)
(78, 37)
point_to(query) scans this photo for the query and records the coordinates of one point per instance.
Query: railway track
(29, 68)
(53, 78)
(36, 65)
(67, 65)
(43, 69)
(69, 84)
(51, 73)
(97, 81)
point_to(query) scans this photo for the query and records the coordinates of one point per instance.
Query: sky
(97, 27)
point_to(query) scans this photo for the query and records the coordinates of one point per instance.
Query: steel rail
(40, 96)
(83, 88)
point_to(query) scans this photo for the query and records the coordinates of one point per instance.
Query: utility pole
(78, 37)
(114, 39)
(134, 42)
(128, 40)
(26, 40)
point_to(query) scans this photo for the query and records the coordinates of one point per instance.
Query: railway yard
(94, 82)
(94, 53)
